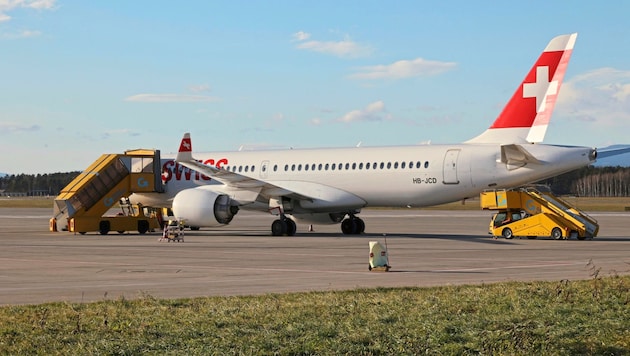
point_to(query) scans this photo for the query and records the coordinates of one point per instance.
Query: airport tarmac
(426, 248)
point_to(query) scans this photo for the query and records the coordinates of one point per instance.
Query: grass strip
(560, 318)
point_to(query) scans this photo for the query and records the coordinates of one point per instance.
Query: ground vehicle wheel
(278, 228)
(507, 233)
(556, 233)
(103, 227)
(143, 226)
(581, 237)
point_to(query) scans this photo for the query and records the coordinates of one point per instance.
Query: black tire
(291, 227)
(348, 226)
(360, 225)
(103, 227)
(143, 227)
(556, 233)
(507, 233)
(278, 228)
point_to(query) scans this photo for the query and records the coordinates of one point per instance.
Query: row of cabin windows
(334, 166)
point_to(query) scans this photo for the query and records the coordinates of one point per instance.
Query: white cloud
(345, 48)
(301, 36)
(119, 132)
(199, 88)
(170, 98)
(13, 127)
(601, 96)
(9, 5)
(23, 34)
(403, 69)
(373, 112)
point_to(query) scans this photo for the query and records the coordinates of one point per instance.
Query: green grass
(21, 202)
(559, 318)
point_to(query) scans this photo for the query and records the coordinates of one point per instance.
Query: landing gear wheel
(507, 233)
(360, 225)
(556, 233)
(352, 226)
(278, 227)
(348, 226)
(291, 227)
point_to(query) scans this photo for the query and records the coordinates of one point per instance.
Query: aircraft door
(450, 167)
(264, 167)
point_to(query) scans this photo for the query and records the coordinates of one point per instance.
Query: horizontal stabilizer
(611, 151)
(515, 156)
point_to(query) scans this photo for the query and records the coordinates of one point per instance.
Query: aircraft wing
(233, 181)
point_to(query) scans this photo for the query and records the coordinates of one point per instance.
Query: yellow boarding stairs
(82, 204)
(531, 213)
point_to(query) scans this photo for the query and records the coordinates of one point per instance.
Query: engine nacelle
(203, 207)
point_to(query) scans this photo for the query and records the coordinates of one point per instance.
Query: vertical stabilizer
(526, 116)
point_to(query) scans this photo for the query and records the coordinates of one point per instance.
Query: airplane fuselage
(398, 176)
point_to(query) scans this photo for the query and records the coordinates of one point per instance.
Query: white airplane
(332, 185)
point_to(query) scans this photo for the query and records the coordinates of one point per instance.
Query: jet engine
(204, 207)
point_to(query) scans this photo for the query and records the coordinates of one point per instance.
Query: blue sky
(82, 78)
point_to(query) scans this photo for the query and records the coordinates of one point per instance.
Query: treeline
(588, 182)
(36, 184)
(593, 182)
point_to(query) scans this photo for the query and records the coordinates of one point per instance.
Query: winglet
(185, 149)
(526, 116)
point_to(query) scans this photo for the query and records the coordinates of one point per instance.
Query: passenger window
(402, 165)
(418, 164)
(426, 164)
(382, 165)
(396, 165)
(389, 165)
(326, 167)
(306, 167)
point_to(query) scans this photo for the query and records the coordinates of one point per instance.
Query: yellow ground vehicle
(531, 213)
(81, 206)
(133, 218)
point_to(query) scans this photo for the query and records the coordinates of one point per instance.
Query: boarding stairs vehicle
(83, 204)
(531, 212)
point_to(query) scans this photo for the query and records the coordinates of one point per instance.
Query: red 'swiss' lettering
(172, 170)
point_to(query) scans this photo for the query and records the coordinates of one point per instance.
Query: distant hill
(3, 175)
(622, 160)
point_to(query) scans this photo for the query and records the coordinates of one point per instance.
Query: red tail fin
(526, 116)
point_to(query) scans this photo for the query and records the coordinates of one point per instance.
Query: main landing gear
(283, 226)
(352, 226)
